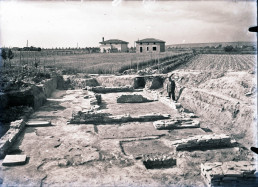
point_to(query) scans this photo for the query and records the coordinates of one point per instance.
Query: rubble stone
(233, 172)
(135, 98)
(202, 141)
(176, 123)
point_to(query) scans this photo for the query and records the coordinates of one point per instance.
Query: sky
(70, 23)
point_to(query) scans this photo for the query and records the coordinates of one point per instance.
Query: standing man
(171, 88)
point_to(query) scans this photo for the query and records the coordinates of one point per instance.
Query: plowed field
(214, 62)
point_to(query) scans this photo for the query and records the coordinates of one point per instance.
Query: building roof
(150, 40)
(114, 41)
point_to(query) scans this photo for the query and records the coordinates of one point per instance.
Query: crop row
(222, 62)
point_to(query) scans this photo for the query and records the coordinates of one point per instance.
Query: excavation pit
(144, 147)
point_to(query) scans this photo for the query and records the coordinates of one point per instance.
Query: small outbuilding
(150, 45)
(113, 45)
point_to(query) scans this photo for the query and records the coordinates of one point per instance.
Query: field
(213, 62)
(102, 63)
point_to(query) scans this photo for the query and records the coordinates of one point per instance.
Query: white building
(150, 45)
(113, 45)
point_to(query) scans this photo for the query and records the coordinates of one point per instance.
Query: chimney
(102, 39)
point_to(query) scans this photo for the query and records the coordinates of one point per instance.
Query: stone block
(37, 123)
(13, 160)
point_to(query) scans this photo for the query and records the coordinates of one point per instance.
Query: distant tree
(4, 56)
(10, 56)
(194, 51)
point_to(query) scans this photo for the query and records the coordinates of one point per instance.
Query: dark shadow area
(210, 148)
(159, 164)
(3, 129)
(139, 82)
(206, 129)
(14, 151)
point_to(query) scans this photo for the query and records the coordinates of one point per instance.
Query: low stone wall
(96, 117)
(12, 134)
(203, 141)
(102, 89)
(241, 173)
(157, 161)
(132, 99)
(177, 123)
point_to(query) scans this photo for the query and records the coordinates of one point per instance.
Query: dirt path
(103, 155)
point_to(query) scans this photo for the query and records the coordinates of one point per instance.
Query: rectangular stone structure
(202, 141)
(176, 123)
(38, 123)
(13, 160)
(157, 161)
(229, 173)
(133, 98)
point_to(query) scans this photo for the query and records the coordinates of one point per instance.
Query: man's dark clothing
(171, 89)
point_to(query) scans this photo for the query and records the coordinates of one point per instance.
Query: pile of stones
(203, 141)
(133, 98)
(176, 123)
(156, 161)
(237, 173)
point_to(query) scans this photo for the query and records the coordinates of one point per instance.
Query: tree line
(7, 54)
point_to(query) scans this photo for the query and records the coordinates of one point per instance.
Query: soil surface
(106, 155)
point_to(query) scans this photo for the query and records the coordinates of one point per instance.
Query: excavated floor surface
(105, 155)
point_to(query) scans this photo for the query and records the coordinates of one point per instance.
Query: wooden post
(20, 59)
(131, 65)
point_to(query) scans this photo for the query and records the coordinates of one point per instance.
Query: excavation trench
(112, 153)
